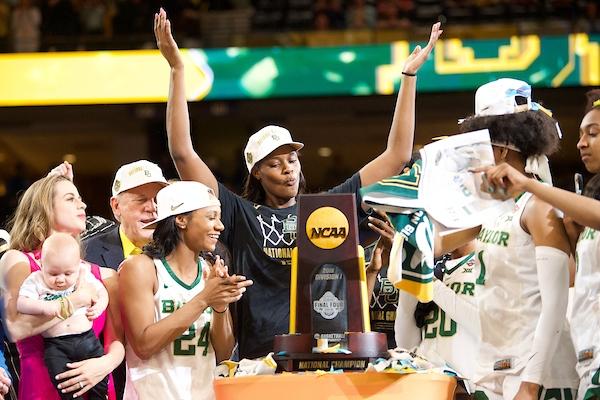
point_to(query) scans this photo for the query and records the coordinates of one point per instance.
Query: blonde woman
(52, 204)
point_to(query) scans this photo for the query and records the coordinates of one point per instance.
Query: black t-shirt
(261, 240)
(384, 302)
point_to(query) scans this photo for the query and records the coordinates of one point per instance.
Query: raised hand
(164, 40)
(418, 56)
(65, 169)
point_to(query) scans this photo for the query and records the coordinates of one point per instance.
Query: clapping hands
(221, 289)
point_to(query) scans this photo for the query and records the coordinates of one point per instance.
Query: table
(350, 385)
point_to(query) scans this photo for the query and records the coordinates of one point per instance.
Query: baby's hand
(99, 303)
(94, 311)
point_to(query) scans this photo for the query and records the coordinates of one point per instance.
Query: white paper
(451, 194)
(448, 191)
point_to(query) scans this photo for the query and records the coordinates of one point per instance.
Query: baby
(72, 339)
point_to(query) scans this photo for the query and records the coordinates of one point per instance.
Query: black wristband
(221, 312)
(408, 73)
(439, 268)
(422, 311)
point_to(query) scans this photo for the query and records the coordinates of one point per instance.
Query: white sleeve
(406, 332)
(458, 308)
(553, 277)
(29, 288)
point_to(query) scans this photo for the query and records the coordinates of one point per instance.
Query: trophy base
(296, 352)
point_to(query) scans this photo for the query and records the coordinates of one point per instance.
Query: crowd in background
(46, 25)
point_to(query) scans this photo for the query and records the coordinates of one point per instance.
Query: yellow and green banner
(142, 76)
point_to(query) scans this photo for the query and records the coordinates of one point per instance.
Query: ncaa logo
(327, 227)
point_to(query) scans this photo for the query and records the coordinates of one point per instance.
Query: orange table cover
(350, 385)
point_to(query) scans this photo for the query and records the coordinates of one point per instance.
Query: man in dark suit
(132, 202)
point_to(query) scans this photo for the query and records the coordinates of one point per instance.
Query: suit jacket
(105, 249)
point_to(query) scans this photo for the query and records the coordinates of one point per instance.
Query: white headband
(536, 165)
(539, 166)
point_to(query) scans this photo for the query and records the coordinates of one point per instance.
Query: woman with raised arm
(49, 205)
(584, 211)
(175, 305)
(260, 226)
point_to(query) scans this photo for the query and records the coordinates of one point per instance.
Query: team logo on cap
(135, 170)
(148, 173)
(249, 158)
(275, 137)
(327, 227)
(117, 185)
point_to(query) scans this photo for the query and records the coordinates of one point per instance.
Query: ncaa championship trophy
(329, 305)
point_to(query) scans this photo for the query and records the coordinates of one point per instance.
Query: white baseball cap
(181, 197)
(507, 96)
(136, 174)
(504, 96)
(263, 142)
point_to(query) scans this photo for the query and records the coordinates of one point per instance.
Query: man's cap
(504, 96)
(136, 174)
(263, 142)
(182, 197)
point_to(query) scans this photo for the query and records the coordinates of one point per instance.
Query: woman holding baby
(177, 320)
(52, 205)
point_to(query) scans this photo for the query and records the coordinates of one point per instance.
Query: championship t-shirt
(261, 240)
(383, 303)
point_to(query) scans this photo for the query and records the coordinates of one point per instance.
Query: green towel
(397, 191)
(411, 257)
